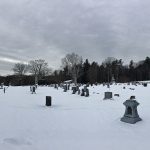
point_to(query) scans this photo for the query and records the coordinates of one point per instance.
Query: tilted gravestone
(131, 114)
(108, 95)
(48, 101)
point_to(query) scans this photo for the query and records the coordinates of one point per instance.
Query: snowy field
(73, 122)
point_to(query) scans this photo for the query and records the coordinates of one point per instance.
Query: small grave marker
(48, 101)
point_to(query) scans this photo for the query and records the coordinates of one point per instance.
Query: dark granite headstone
(116, 95)
(82, 93)
(145, 84)
(48, 101)
(87, 93)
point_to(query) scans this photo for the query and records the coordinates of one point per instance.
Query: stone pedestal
(48, 101)
(131, 114)
(108, 95)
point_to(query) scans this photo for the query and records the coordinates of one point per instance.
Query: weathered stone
(87, 93)
(65, 88)
(82, 94)
(131, 114)
(108, 95)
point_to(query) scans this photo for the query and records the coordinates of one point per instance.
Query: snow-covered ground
(73, 122)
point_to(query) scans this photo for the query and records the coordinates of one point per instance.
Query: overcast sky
(94, 29)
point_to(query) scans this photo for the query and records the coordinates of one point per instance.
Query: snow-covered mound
(73, 122)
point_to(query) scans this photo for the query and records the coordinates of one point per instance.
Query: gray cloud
(95, 29)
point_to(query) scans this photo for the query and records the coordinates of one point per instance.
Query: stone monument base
(130, 120)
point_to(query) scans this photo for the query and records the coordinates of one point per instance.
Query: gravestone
(132, 97)
(74, 90)
(108, 95)
(56, 86)
(87, 93)
(108, 85)
(48, 101)
(131, 114)
(65, 88)
(116, 95)
(145, 84)
(33, 89)
(82, 93)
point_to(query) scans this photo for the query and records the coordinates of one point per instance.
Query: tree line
(79, 71)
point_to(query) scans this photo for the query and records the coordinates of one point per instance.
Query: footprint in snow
(16, 141)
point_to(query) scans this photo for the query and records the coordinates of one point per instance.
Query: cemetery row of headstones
(75, 89)
(131, 114)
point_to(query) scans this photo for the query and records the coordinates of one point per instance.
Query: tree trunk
(75, 80)
(36, 79)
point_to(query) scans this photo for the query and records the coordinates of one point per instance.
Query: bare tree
(38, 68)
(74, 63)
(20, 68)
